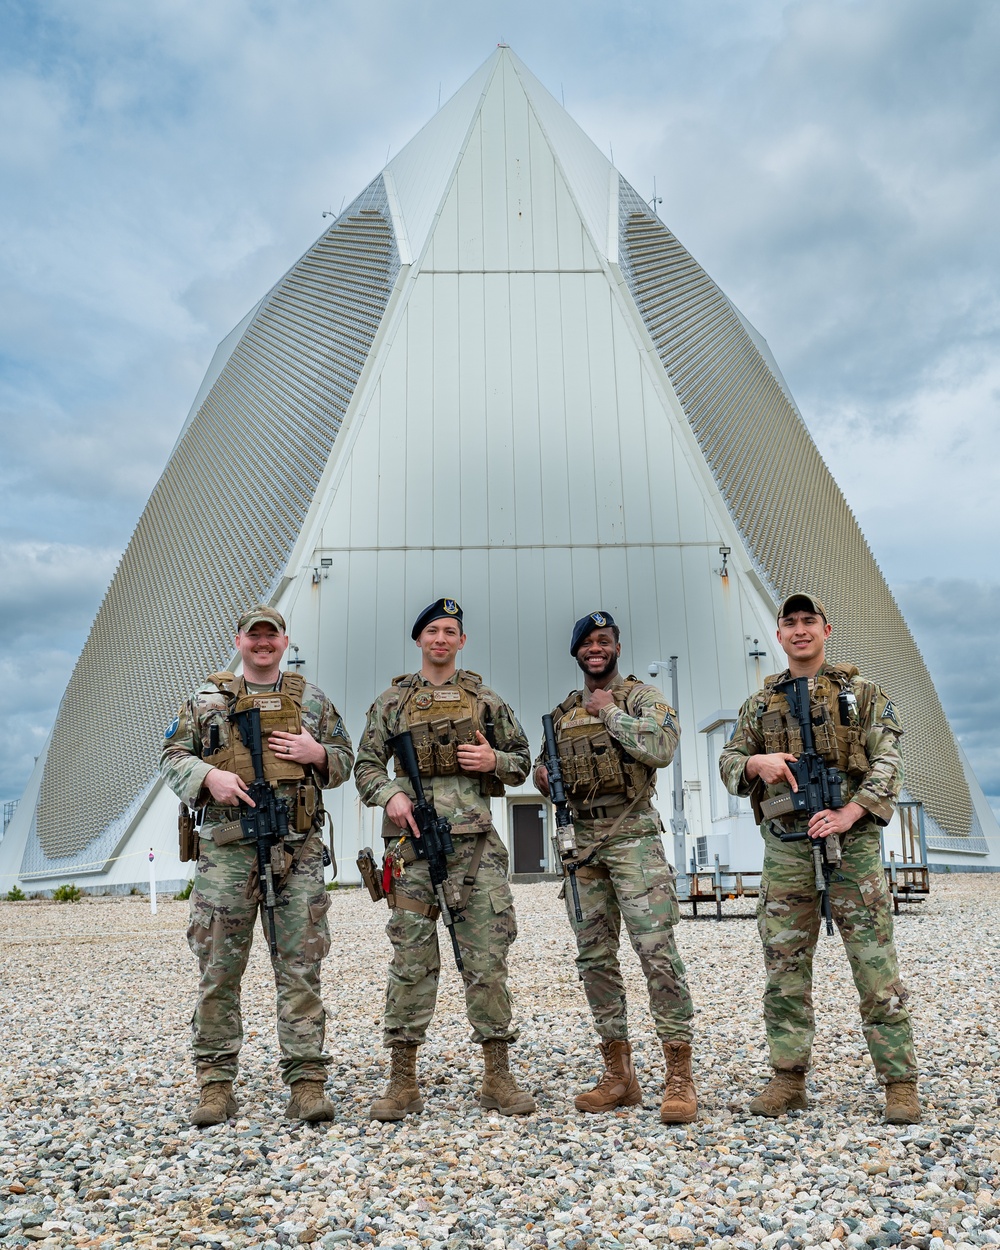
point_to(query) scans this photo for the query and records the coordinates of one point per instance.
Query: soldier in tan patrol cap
(469, 746)
(856, 731)
(204, 761)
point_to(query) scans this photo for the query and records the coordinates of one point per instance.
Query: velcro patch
(171, 729)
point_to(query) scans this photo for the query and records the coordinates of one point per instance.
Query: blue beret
(439, 608)
(586, 624)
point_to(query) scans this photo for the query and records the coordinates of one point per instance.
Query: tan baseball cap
(800, 602)
(261, 614)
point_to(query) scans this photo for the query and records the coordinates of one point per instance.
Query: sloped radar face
(793, 518)
(216, 533)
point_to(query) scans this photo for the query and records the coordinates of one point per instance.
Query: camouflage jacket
(647, 729)
(876, 791)
(185, 741)
(458, 798)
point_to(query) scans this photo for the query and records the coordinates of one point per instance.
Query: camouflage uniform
(629, 877)
(222, 916)
(788, 912)
(490, 926)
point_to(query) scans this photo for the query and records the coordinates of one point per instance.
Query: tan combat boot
(785, 1091)
(403, 1095)
(499, 1091)
(680, 1101)
(901, 1103)
(216, 1104)
(618, 1087)
(308, 1102)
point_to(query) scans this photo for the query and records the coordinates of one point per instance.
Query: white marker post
(152, 883)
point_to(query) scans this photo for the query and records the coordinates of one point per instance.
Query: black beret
(439, 608)
(586, 624)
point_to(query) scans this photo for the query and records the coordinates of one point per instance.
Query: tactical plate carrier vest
(443, 718)
(597, 770)
(279, 709)
(838, 734)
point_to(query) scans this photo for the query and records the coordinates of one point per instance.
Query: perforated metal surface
(793, 518)
(217, 531)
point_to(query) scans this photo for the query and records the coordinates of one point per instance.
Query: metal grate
(217, 531)
(795, 522)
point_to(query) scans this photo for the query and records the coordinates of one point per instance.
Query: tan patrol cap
(261, 614)
(799, 602)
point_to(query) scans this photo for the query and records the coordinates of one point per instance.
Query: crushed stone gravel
(95, 1148)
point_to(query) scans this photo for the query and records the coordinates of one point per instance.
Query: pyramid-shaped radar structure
(500, 192)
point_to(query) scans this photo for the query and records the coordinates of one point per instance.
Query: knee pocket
(866, 909)
(316, 938)
(654, 906)
(503, 919)
(199, 932)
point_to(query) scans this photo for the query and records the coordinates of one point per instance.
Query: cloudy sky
(834, 165)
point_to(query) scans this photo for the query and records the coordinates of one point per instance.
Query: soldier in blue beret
(612, 736)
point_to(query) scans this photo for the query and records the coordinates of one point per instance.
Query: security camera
(653, 669)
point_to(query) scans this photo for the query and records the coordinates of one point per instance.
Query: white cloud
(834, 165)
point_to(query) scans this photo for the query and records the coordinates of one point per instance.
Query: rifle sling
(468, 881)
(583, 863)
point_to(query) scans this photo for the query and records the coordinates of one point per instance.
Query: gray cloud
(835, 166)
(955, 625)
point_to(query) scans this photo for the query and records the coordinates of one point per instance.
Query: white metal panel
(586, 168)
(423, 169)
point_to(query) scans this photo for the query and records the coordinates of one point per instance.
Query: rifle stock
(266, 823)
(564, 837)
(820, 788)
(434, 844)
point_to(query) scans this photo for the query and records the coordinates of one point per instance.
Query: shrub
(67, 894)
(186, 892)
(16, 895)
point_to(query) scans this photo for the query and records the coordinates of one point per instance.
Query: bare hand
(541, 780)
(771, 768)
(598, 698)
(399, 809)
(300, 748)
(477, 757)
(227, 788)
(838, 820)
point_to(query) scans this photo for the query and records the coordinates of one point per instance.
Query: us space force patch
(889, 714)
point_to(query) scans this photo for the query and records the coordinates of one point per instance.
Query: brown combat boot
(308, 1102)
(785, 1091)
(216, 1104)
(902, 1106)
(499, 1091)
(403, 1095)
(618, 1087)
(680, 1101)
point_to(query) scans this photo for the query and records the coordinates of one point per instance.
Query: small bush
(186, 892)
(67, 893)
(333, 885)
(16, 895)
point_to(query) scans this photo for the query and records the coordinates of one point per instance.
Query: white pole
(152, 883)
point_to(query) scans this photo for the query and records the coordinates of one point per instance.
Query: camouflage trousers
(220, 934)
(788, 918)
(484, 937)
(629, 878)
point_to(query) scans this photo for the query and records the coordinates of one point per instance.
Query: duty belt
(611, 807)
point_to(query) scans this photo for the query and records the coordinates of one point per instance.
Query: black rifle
(266, 823)
(564, 838)
(434, 843)
(820, 788)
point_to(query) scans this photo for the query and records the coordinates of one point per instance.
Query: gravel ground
(95, 1148)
